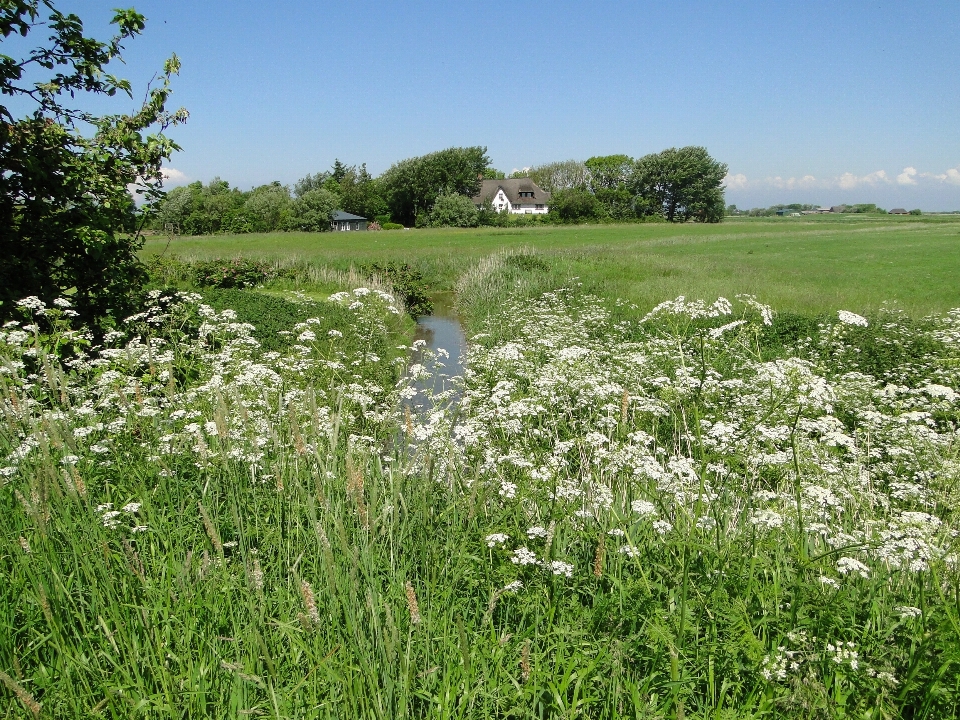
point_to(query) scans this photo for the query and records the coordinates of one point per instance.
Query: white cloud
(793, 183)
(735, 182)
(848, 181)
(951, 176)
(908, 176)
(173, 176)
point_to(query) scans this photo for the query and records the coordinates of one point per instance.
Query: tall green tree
(609, 175)
(410, 187)
(680, 184)
(269, 207)
(609, 172)
(360, 193)
(65, 206)
(563, 175)
(313, 210)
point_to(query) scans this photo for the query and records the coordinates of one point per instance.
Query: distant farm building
(344, 221)
(520, 196)
(899, 211)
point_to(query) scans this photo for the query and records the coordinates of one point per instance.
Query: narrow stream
(441, 334)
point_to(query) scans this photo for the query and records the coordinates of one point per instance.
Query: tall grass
(620, 519)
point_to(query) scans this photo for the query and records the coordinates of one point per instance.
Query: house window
(539, 207)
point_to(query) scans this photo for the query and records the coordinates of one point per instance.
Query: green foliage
(391, 226)
(563, 175)
(272, 317)
(407, 282)
(198, 209)
(493, 174)
(411, 186)
(313, 210)
(65, 208)
(916, 211)
(609, 172)
(489, 217)
(680, 184)
(269, 207)
(575, 205)
(358, 191)
(452, 210)
(236, 273)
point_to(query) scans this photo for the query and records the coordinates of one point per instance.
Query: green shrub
(391, 226)
(575, 205)
(236, 273)
(407, 282)
(453, 210)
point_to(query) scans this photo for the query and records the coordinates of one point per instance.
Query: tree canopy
(67, 219)
(680, 184)
(437, 190)
(410, 187)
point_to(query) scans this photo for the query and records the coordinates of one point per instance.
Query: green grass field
(816, 264)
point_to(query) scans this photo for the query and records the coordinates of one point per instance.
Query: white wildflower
(908, 611)
(497, 539)
(849, 565)
(849, 318)
(644, 508)
(523, 556)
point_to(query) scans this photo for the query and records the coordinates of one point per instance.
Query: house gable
(515, 195)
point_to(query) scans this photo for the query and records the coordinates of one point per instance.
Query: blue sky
(821, 102)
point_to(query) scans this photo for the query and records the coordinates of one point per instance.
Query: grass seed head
(412, 605)
(22, 695)
(211, 529)
(598, 558)
(309, 602)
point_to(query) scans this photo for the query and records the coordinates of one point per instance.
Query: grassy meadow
(631, 505)
(812, 264)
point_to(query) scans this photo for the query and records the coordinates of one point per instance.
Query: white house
(518, 196)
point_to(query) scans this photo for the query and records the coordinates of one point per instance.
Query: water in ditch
(441, 352)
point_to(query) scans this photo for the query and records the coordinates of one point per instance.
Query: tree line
(676, 185)
(856, 209)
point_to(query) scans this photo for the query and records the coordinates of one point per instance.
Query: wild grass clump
(482, 290)
(620, 518)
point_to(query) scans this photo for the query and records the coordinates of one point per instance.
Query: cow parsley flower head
(849, 318)
(662, 527)
(497, 539)
(849, 565)
(644, 508)
(523, 556)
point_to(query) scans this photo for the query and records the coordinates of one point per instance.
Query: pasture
(815, 264)
(703, 510)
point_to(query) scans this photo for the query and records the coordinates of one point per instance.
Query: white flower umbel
(496, 539)
(849, 318)
(523, 556)
(849, 565)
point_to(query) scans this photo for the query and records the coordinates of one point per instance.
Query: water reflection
(441, 354)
